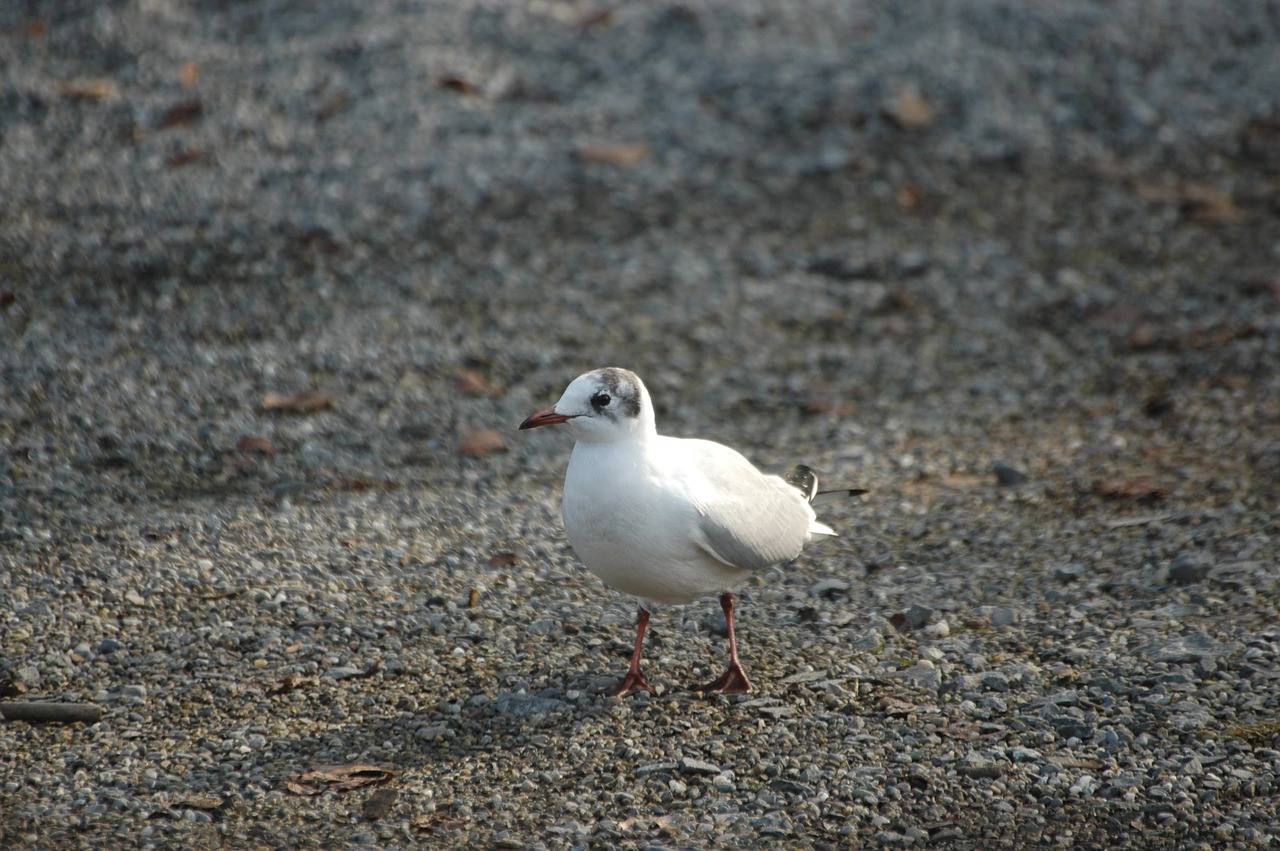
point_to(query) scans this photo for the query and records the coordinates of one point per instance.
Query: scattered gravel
(278, 280)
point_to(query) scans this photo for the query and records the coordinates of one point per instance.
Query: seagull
(669, 519)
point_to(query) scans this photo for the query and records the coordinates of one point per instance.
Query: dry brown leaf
(187, 156)
(337, 778)
(189, 76)
(1143, 336)
(1144, 488)
(964, 481)
(820, 398)
(12, 688)
(959, 730)
(619, 155)
(909, 110)
(362, 484)
(895, 706)
(477, 442)
(1219, 335)
(7, 298)
(461, 85)
(1203, 203)
(594, 18)
(289, 683)
(473, 598)
(431, 821)
(251, 443)
(472, 383)
(332, 105)
(198, 801)
(306, 402)
(36, 28)
(909, 198)
(180, 114)
(92, 89)
(504, 559)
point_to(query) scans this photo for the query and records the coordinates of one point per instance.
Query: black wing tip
(802, 478)
(823, 497)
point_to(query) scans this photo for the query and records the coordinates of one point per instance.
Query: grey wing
(760, 525)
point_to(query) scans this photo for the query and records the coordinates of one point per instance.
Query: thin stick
(52, 713)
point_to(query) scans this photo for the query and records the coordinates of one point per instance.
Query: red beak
(547, 417)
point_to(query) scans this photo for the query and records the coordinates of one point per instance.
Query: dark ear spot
(623, 391)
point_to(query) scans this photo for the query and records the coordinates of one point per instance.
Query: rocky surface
(278, 280)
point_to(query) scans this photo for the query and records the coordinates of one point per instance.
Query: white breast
(634, 525)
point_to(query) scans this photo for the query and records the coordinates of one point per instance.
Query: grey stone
(1008, 476)
(689, 765)
(1188, 568)
(1195, 647)
(827, 588)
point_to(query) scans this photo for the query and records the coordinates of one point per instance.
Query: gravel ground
(279, 279)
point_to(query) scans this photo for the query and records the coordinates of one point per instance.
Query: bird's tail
(802, 478)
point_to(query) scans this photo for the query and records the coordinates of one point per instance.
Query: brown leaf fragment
(909, 198)
(337, 778)
(332, 105)
(472, 383)
(378, 805)
(6, 299)
(478, 442)
(503, 559)
(361, 484)
(820, 398)
(594, 18)
(434, 821)
(180, 114)
(624, 156)
(12, 688)
(254, 444)
(198, 801)
(959, 730)
(306, 402)
(1142, 488)
(899, 622)
(187, 156)
(473, 598)
(1210, 205)
(1143, 336)
(1202, 203)
(189, 76)
(289, 683)
(909, 110)
(460, 85)
(98, 88)
(36, 28)
(895, 706)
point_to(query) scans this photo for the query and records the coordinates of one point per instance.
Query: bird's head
(602, 406)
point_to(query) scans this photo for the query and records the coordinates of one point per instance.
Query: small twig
(1125, 522)
(52, 713)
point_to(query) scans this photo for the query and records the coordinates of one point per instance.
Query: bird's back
(672, 519)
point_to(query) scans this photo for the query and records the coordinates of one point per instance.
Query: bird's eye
(600, 400)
